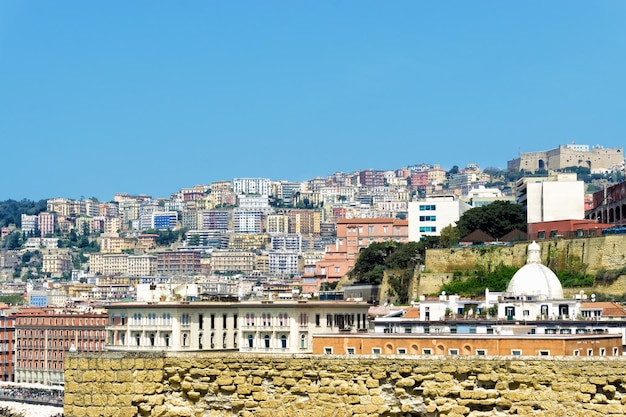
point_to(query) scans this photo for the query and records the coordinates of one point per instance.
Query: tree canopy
(11, 210)
(497, 219)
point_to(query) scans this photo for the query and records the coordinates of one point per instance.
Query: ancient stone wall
(598, 253)
(223, 384)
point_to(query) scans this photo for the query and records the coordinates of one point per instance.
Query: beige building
(277, 223)
(233, 261)
(248, 241)
(56, 261)
(597, 158)
(116, 244)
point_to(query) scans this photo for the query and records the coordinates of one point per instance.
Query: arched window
(138, 339)
(152, 339)
(266, 340)
(283, 342)
(250, 341)
(303, 341)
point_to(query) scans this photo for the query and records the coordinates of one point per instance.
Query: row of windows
(59, 321)
(427, 207)
(428, 229)
(59, 333)
(428, 218)
(480, 352)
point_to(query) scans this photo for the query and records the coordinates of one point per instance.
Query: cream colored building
(116, 244)
(56, 261)
(233, 261)
(556, 197)
(260, 326)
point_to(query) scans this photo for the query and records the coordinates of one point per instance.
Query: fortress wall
(233, 384)
(598, 253)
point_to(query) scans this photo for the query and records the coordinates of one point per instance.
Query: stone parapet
(116, 384)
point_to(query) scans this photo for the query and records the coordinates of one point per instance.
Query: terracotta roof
(412, 313)
(609, 308)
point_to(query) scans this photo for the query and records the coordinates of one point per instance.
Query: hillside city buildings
(250, 270)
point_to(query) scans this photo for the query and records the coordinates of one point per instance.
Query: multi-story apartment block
(277, 223)
(56, 261)
(283, 263)
(304, 222)
(116, 244)
(189, 219)
(427, 217)
(29, 223)
(108, 263)
(7, 347)
(253, 201)
(260, 186)
(243, 241)
(216, 220)
(231, 261)
(42, 336)
(179, 262)
(556, 197)
(108, 210)
(112, 226)
(46, 222)
(269, 326)
(142, 265)
(248, 220)
(288, 242)
(371, 178)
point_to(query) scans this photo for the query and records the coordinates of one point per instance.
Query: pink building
(46, 222)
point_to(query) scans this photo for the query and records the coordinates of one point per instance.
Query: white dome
(534, 279)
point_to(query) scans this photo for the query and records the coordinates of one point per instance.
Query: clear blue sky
(99, 97)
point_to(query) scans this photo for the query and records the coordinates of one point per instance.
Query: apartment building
(260, 186)
(304, 222)
(263, 326)
(42, 336)
(178, 262)
(7, 338)
(283, 263)
(248, 241)
(46, 222)
(428, 216)
(551, 198)
(277, 223)
(116, 244)
(56, 261)
(248, 220)
(233, 261)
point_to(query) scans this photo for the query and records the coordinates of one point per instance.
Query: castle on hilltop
(598, 159)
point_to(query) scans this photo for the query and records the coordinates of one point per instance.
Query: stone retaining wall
(233, 384)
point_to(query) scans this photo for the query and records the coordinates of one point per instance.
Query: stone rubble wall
(213, 384)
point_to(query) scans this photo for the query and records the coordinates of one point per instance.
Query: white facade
(259, 326)
(262, 186)
(283, 263)
(427, 217)
(545, 199)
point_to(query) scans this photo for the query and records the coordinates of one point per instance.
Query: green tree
(449, 236)
(496, 219)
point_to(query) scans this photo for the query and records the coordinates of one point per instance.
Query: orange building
(7, 336)
(565, 229)
(42, 336)
(353, 235)
(470, 344)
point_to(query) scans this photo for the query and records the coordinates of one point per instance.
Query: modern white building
(556, 197)
(428, 216)
(261, 186)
